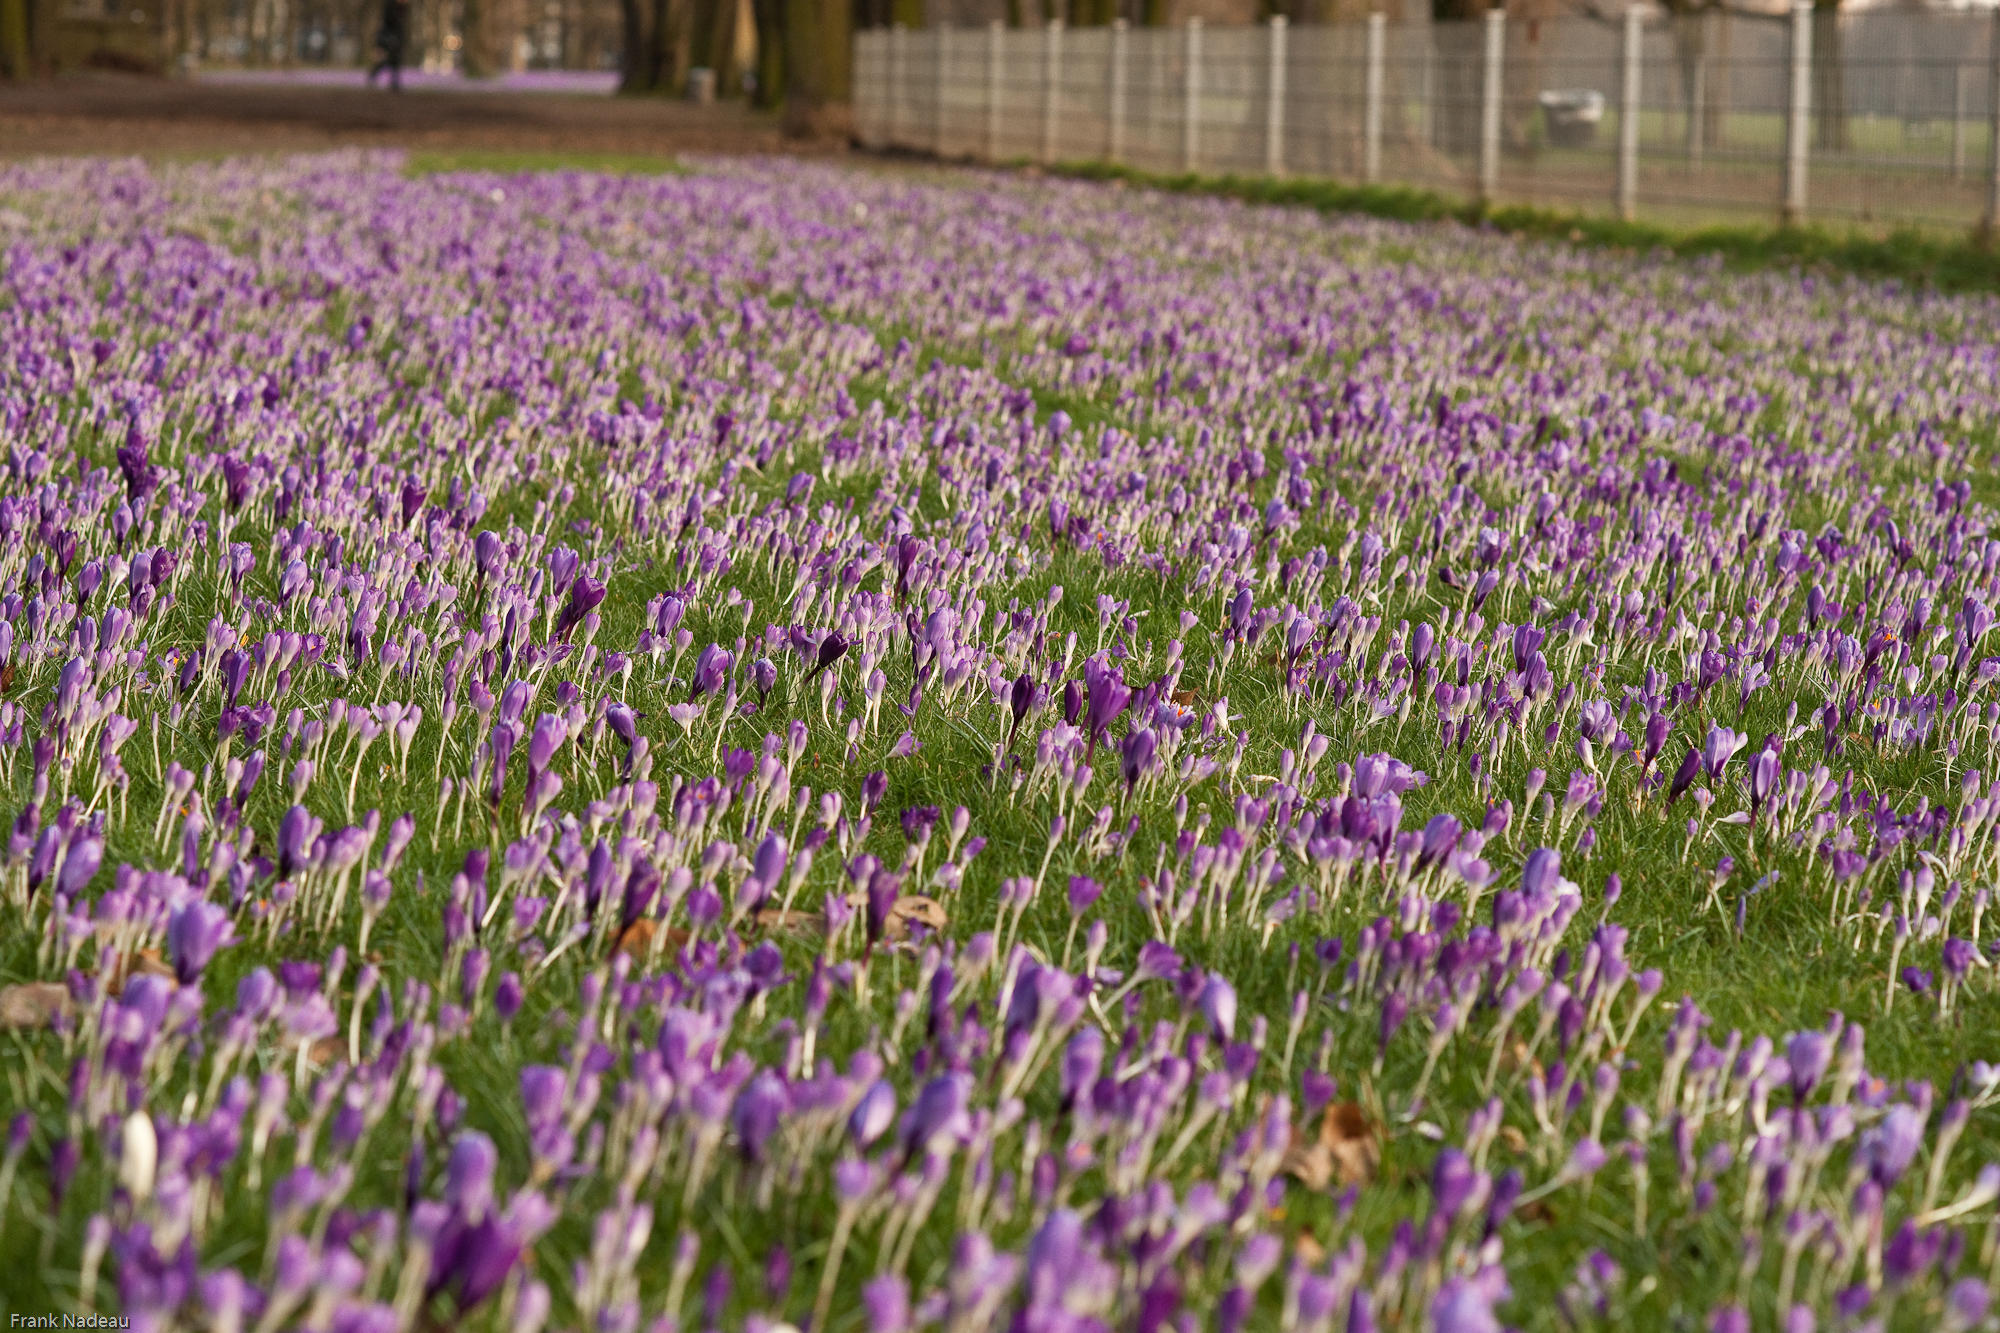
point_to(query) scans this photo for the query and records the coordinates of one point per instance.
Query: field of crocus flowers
(778, 746)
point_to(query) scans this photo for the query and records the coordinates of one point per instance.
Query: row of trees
(796, 54)
(802, 59)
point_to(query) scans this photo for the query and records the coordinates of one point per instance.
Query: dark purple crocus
(1684, 776)
(297, 832)
(1136, 755)
(1020, 699)
(831, 649)
(711, 668)
(585, 595)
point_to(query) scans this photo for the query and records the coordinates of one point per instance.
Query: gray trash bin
(701, 85)
(1571, 115)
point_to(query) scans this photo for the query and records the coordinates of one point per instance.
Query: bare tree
(818, 66)
(1829, 69)
(15, 56)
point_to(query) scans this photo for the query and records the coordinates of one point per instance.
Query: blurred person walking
(390, 39)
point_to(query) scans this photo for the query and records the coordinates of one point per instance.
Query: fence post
(1798, 122)
(1371, 91)
(1274, 101)
(943, 88)
(1489, 106)
(1191, 98)
(1114, 132)
(995, 34)
(1051, 84)
(1628, 115)
(1989, 225)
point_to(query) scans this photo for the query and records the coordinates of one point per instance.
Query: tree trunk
(474, 50)
(1690, 51)
(660, 46)
(819, 37)
(632, 53)
(1522, 71)
(14, 62)
(770, 17)
(1830, 131)
(714, 40)
(1458, 73)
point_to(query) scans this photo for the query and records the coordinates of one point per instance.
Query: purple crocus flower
(938, 1113)
(195, 932)
(585, 595)
(872, 1115)
(757, 1111)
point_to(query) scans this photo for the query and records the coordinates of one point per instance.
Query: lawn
(762, 744)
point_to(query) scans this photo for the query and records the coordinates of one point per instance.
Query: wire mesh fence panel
(1083, 114)
(961, 92)
(1738, 160)
(919, 107)
(1881, 116)
(1433, 90)
(1156, 76)
(1235, 73)
(1900, 115)
(871, 88)
(1023, 53)
(1326, 102)
(1561, 88)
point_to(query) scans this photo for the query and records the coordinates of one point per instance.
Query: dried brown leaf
(1353, 1141)
(32, 1006)
(910, 910)
(780, 921)
(1308, 1162)
(142, 962)
(637, 939)
(914, 909)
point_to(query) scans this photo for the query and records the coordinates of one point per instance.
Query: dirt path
(119, 114)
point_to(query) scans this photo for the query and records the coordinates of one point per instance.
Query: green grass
(1787, 967)
(1920, 257)
(507, 162)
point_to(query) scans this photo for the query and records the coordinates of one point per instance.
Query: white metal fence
(1877, 116)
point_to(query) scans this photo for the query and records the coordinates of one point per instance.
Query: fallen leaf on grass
(141, 963)
(637, 939)
(33, 1005)
(912, 909)
(779, 920)
(1347, 1150)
